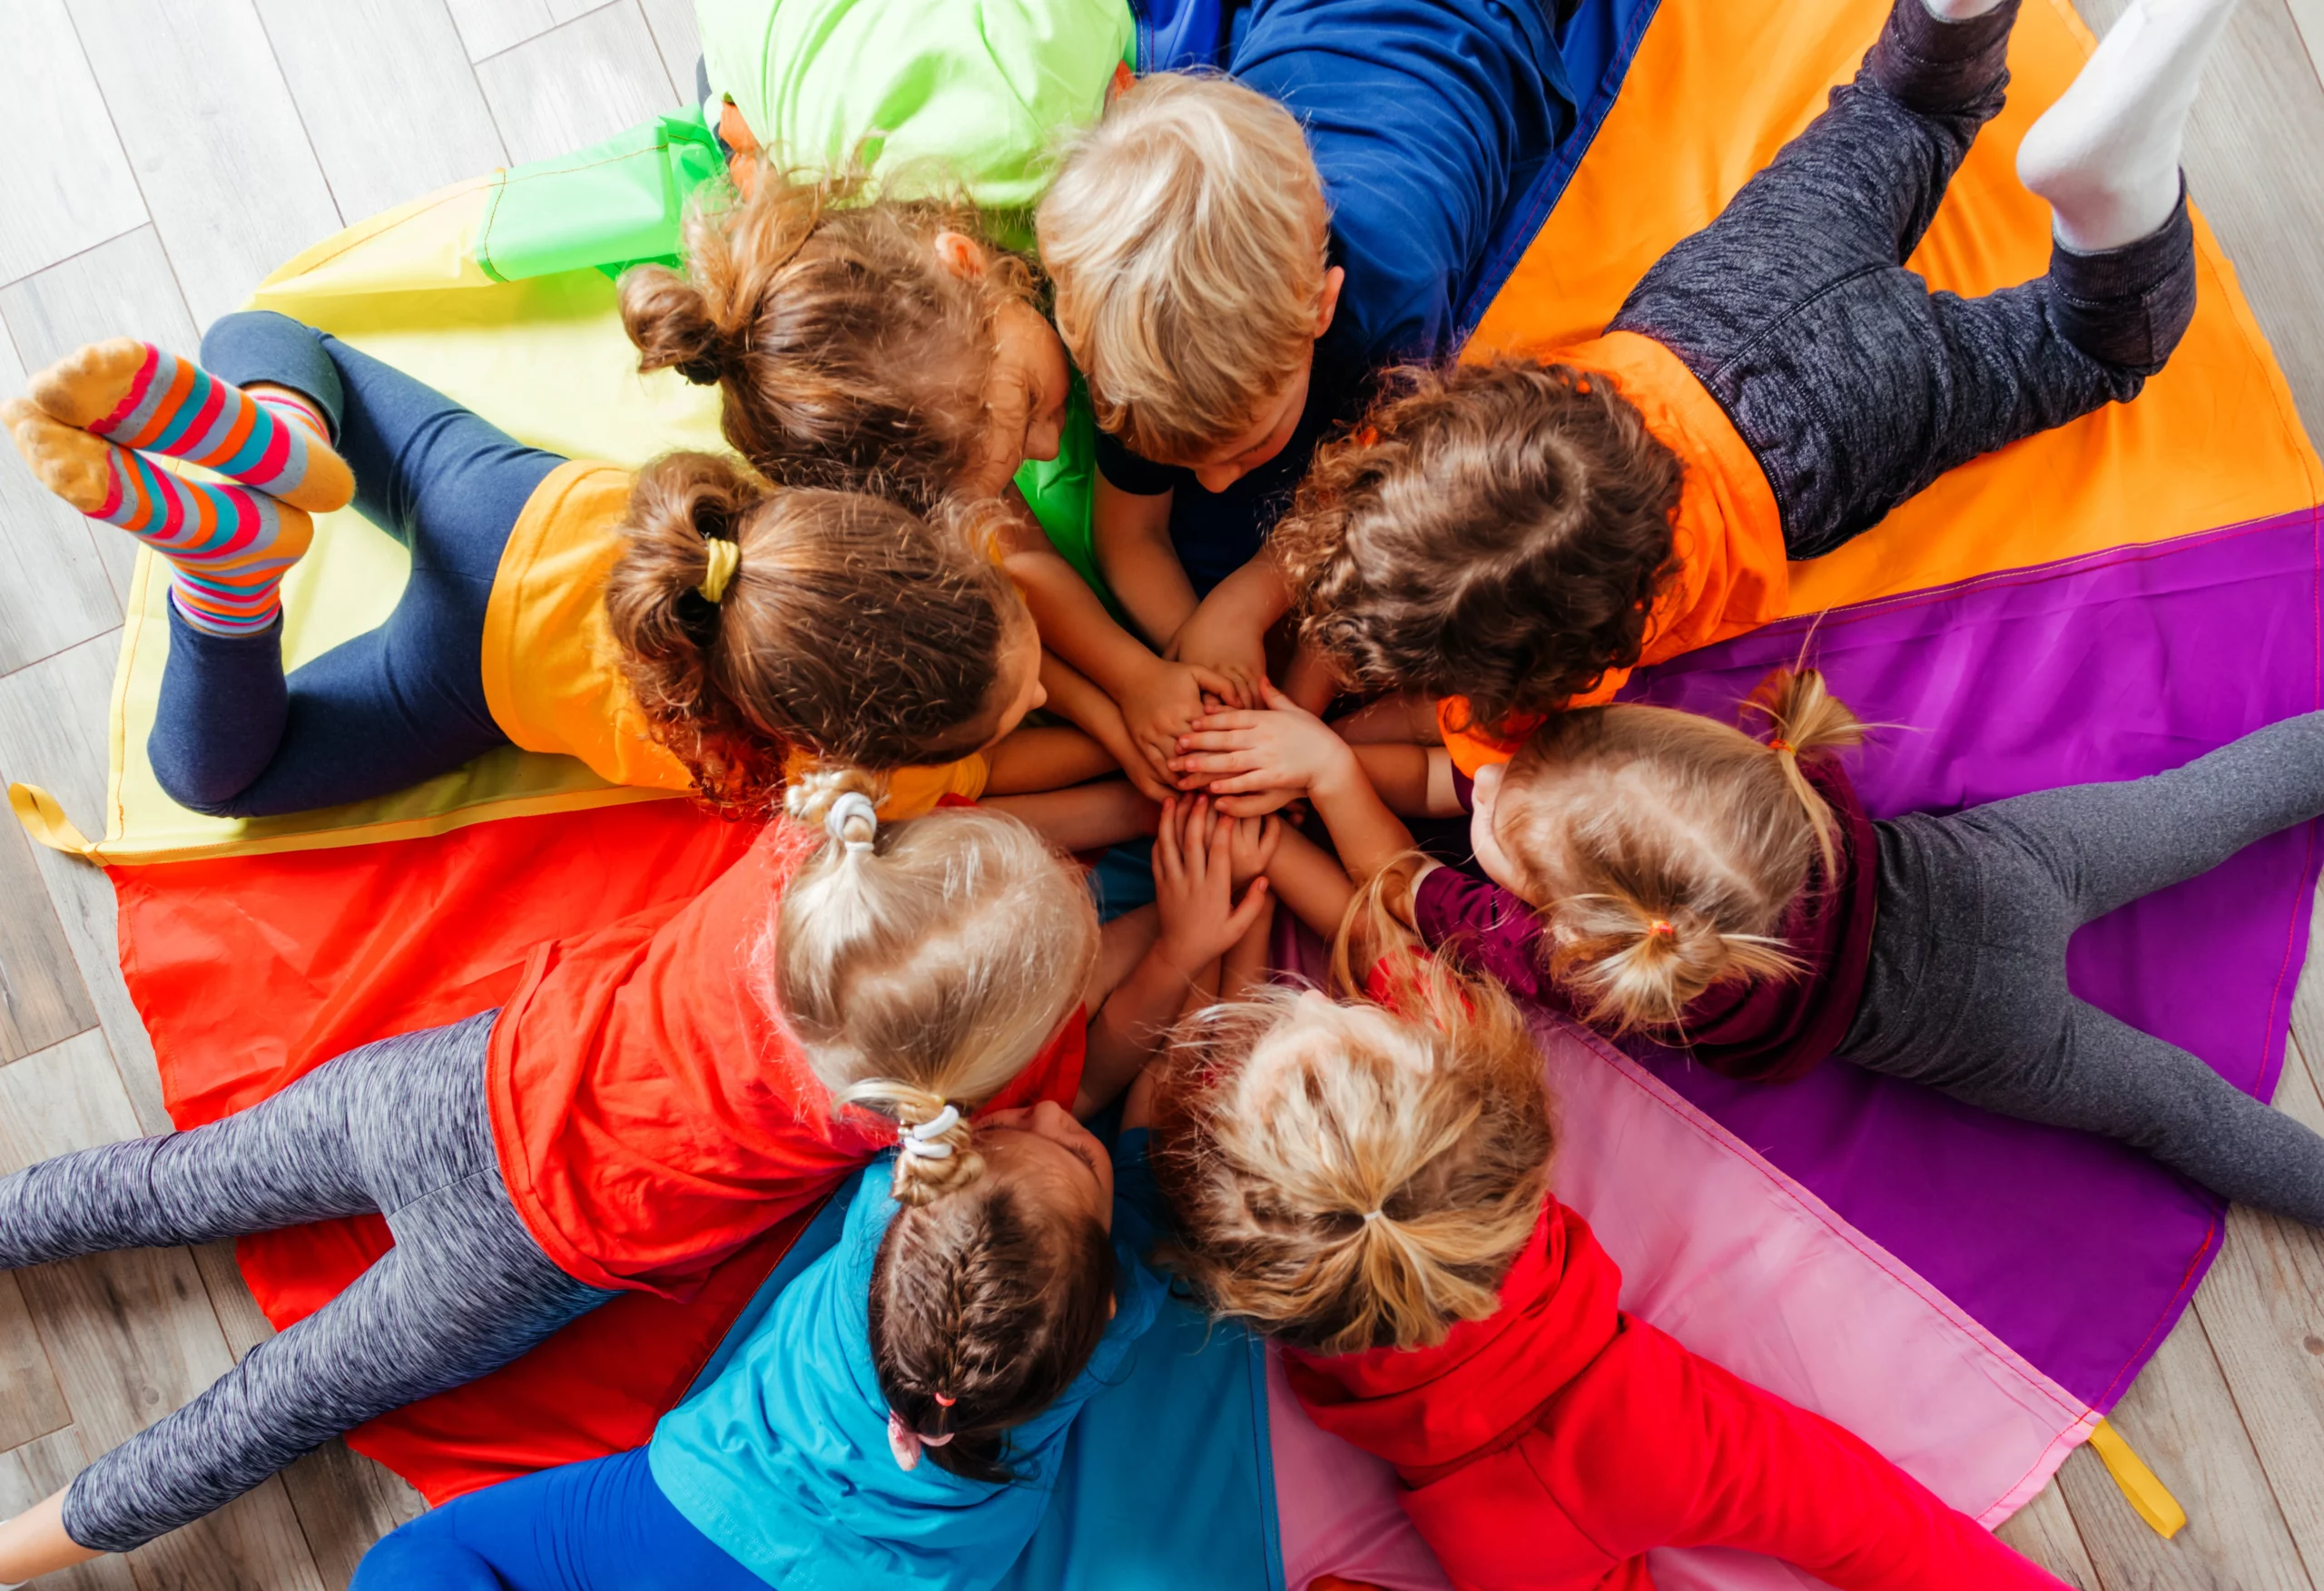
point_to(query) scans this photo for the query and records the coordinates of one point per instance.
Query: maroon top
(1769, 1030)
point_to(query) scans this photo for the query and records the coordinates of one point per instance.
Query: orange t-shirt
(651, 1117)
(1732, 574)
(552, 673)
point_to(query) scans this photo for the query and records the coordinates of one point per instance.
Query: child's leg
(404, 701)
(307, 1154)
(1968, 994)
(600, 1525)
(2102, 846)
(465, 1289)
(2106, 155)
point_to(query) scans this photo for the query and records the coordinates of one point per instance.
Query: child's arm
(1251, 753)
(1309, 880)
(1157, 699)
(1089, 817)
(1228, 632)
(1416, 781)
(1074, 695)
(1130, 532)
(1043, 757)
(1201, 921)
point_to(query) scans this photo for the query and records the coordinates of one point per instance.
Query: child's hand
(1194, 887)
(1259, 759)
(1162, 703)
(1218, 640)
(1252, 847)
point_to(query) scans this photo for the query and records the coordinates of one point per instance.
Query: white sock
(1943, 11)
(2106, 155)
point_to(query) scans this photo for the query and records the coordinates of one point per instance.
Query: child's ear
(965, 257)
(1327, 303)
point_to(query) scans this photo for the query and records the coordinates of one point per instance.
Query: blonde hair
(924, 964)
(1345, 1177)
(1186, 236)
(1663, 848)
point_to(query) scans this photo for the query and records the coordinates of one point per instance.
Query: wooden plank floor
(163, 156)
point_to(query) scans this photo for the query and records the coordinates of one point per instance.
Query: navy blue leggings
(405, 702)
(603, 1526)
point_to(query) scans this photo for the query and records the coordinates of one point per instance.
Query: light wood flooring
(159, 158)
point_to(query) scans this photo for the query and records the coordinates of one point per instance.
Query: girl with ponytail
(899, 1415)
(1723, 892)
(656, 1097)
(1366, 1181)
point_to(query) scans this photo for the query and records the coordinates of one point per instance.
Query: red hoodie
(1548, 1447)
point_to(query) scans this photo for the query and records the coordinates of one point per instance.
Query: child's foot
(2106, 155)
(229, 546)
(132, 393)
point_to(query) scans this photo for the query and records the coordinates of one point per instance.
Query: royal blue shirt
(1427, 118)
(784, 1460)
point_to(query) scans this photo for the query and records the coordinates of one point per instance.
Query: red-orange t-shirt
(652, 1118)
(1732, 574)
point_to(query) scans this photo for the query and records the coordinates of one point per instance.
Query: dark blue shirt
(1426, 118)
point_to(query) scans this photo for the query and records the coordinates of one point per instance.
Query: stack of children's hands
(1202, 859)
(1252, 760)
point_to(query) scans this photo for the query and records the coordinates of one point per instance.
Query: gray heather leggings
(1853, 384)
(1967, 989)
(399, 1127)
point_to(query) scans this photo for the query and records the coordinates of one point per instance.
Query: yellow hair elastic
(726, 557)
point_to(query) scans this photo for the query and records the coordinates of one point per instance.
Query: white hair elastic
(854, 805)
(920, 1141)
(1372, 1215)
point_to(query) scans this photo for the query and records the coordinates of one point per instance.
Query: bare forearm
(1089, 817)
(1131, 536)
(1245, 967)
(1305, 877)
(1365, 833)
(1126, 1032)
(1073, 622)
(1045, 758)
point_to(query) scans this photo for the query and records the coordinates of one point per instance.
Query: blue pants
(405, 702)
(603, 1526)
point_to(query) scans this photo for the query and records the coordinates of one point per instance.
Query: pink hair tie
(944, 1402)
(906, 1443)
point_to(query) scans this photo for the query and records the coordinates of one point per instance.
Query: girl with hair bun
(1661, 872)
(654, 1096)
(898, 1416)
(684, 628)
(885, 345)
(1367, 1182)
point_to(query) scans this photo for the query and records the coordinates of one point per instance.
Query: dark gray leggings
(1853, 384)
(1967, 991)
(398, 1127)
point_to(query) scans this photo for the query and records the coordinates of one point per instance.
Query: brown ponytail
(848, 356)
(846, 626)
(984, 1308)
(1664, 850)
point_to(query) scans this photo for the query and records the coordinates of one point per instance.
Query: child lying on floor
(1235, 257)
(656, 1096)
(1369, 1186)
(1504, 538)
(900, 1415)
(1655, 871)
(681, 627)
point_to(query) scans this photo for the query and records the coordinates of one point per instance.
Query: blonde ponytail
(1634, 965)
(935, 1143)
(1804, 718)
(1350, 1176)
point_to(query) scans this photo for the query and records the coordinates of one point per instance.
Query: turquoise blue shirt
(784, 1461)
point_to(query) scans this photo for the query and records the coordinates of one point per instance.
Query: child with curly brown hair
(1509, 538)
(887, 345)
(1368, 1184)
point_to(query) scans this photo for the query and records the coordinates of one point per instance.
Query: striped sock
(228, 546)
(133, 394)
